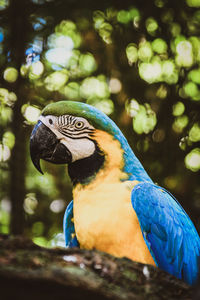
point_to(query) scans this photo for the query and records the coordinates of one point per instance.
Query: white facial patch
(73, 132)
(80, 148)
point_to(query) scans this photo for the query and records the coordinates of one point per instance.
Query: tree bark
(31, 272)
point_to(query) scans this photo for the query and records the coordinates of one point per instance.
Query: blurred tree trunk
(19, 29)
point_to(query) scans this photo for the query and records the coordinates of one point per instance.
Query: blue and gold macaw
(116, 207)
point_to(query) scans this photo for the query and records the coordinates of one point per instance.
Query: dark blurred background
(138, 61)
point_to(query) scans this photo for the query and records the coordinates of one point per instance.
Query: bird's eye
(50, 121)
(79, 124)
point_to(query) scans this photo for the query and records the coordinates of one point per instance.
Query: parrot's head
(79, 135)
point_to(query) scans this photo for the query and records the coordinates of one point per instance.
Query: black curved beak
(45, 145)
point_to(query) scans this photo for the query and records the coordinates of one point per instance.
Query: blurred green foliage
(138, 62)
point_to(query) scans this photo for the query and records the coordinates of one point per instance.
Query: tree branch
(32, 272)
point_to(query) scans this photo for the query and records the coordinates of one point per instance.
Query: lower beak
(45, 145)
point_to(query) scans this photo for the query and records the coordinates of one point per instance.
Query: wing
(168, 231)
(68, 227)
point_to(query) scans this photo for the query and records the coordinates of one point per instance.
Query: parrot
(116, 207)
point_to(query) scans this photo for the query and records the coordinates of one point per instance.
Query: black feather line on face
(75, 137)
(74, 133)
(66, 120)
(73, 122)
(66, 126)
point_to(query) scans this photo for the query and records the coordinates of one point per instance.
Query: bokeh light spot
(150, 72)
(57, 205)
(184, 55)
(115, 85)
(56, 80)
(132, 53)
(30, 203)
(168, 67)
(60, 41)
(151, 25)
(133, 108)
(31, 113)
(192, 160)
(123, 16)
(87, 63)
(105, 105)
(59, 56)
(178, 109)
(159, 46)
(98, 18)
(145, 51)
(194, 75)
(4, 152)
(194, 133)
(93, 86)
(8, 139)
(71, 91)
(191, 89)
(180, 123)
(36, 69)
(145, 119)
(10, 75)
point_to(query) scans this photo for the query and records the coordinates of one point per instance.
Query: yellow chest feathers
(105, 220)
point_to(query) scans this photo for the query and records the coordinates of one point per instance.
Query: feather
(68, 227)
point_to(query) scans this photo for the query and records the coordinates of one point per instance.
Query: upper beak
(45, 145)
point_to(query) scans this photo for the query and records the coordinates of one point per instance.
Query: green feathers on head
(96, 118)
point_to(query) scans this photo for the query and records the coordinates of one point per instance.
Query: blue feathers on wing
(68, 227)
(168, 231)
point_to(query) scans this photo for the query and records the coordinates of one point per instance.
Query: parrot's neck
(132, 165)
(112, 158)
(84, 170)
